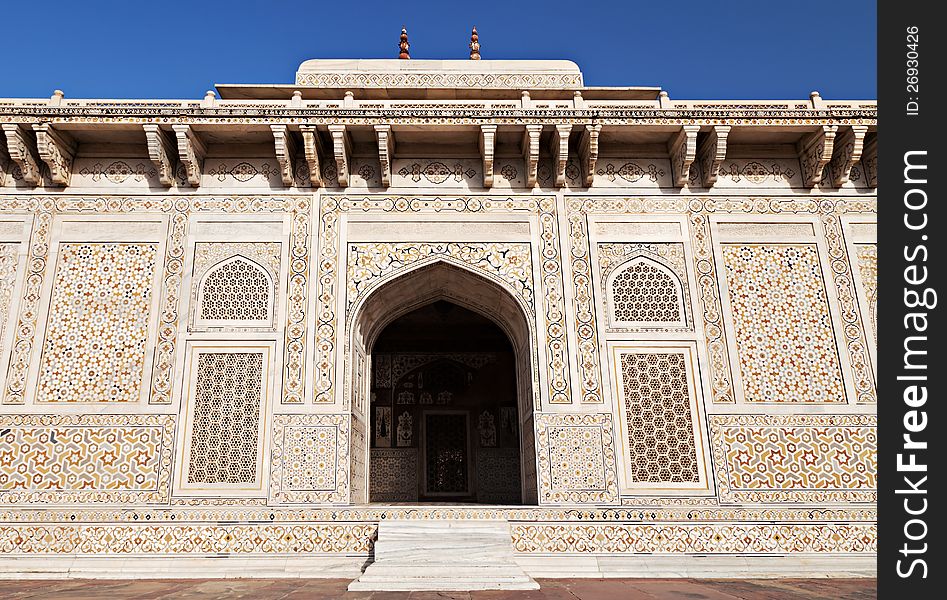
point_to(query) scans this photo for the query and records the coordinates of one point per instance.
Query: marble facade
(190, 291)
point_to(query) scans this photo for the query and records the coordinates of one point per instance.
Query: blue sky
(178, 49)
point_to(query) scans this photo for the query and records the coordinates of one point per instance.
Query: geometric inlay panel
(225, 428)
(809, 458)
(98, 323)
(309, 461)
(576, 457)
(868, 269)
(580, 464)
(657, 411)
(311, 458)
(85, 458)
(783, 328)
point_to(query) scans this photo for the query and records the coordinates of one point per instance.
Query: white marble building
(640, 330)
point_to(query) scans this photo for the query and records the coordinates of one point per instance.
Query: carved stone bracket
(162, 153)
(683, 150)
(386, 152)
(487, 142)
(815, 152)
(846, 152)
(531, 153)
(870, 160)
(560, 152)
(712, 152)
(191, 153)
(342, 149)
(285, 147)
(57, 150)
(311, 154)
(22, 152)
(588, 153)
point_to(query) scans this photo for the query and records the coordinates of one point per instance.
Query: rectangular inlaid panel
(577, 462)
(225, 426)
(85, 458)
(98, 323)
(868, 270)
(657, 411)
(310, 458)
(814, 458)
(576, 458)
(782, 324)
(311, 453)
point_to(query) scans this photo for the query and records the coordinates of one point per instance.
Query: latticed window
(236, 290)
(661, 442)
(645, 292)
(226, 418)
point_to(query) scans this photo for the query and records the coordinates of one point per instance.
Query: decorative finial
(474, 45)
(404, 45)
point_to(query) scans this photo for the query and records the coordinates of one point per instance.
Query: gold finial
(404, 45)
(474, 45)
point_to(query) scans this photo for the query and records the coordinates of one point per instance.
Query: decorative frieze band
(695, 538)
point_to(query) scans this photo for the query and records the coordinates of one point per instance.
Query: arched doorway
(442, 391)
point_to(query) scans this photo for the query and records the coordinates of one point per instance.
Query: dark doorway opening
(444, 422)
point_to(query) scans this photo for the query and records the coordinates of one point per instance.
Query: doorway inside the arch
(448, 383)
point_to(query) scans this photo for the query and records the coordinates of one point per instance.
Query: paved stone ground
(552, 589)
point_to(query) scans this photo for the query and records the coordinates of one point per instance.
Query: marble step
(502, 569)
(443, 556)
(449, 584)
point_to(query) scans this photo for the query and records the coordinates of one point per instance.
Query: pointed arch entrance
(442, 381)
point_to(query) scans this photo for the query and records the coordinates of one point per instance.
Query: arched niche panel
(236, 292)
(643, 292)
